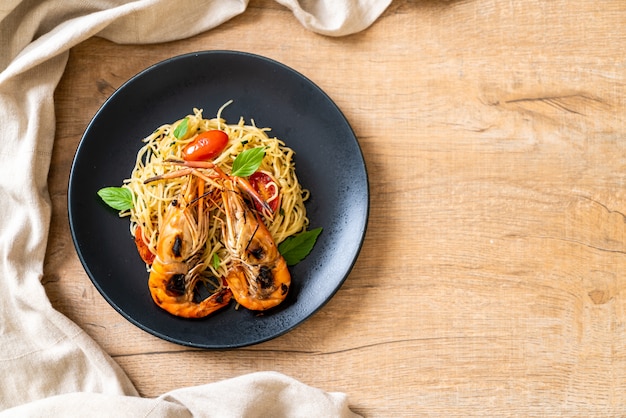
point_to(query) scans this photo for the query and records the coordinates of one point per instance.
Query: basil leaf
(119, 198)
(181, 129)
(248, 162)
(215, 262)
(295, 248)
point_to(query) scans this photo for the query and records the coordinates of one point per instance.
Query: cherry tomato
(144, 252)
(266, 187)
(206, 145)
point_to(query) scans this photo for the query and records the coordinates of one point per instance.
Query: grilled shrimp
(259, 278)
(174, 273)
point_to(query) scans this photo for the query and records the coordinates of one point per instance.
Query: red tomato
(144, 252)
(205, 146)
(267, 188)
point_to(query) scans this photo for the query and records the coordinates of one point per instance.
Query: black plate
(328, 160)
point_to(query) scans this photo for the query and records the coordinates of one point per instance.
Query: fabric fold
(261, 394)
(336, 17)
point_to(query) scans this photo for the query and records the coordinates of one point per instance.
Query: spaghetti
(151, 199)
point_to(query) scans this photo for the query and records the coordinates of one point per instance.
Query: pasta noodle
(151, 200)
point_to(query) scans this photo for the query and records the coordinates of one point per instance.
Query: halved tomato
(267, 188)
(144, 252)
(206, 145)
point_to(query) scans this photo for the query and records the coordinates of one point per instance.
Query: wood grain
(491, 278)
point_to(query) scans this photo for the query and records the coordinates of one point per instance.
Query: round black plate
(328, 160)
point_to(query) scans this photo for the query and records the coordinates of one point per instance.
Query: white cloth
(263, 394)
(49, 366)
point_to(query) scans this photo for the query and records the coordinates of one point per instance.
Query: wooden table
(492, 277)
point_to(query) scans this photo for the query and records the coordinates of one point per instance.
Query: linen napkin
(49, 366)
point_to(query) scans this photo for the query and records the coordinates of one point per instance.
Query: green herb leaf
(248, 162)
(215, 261)
(295, 248)
(119, 198)
(181, 129)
